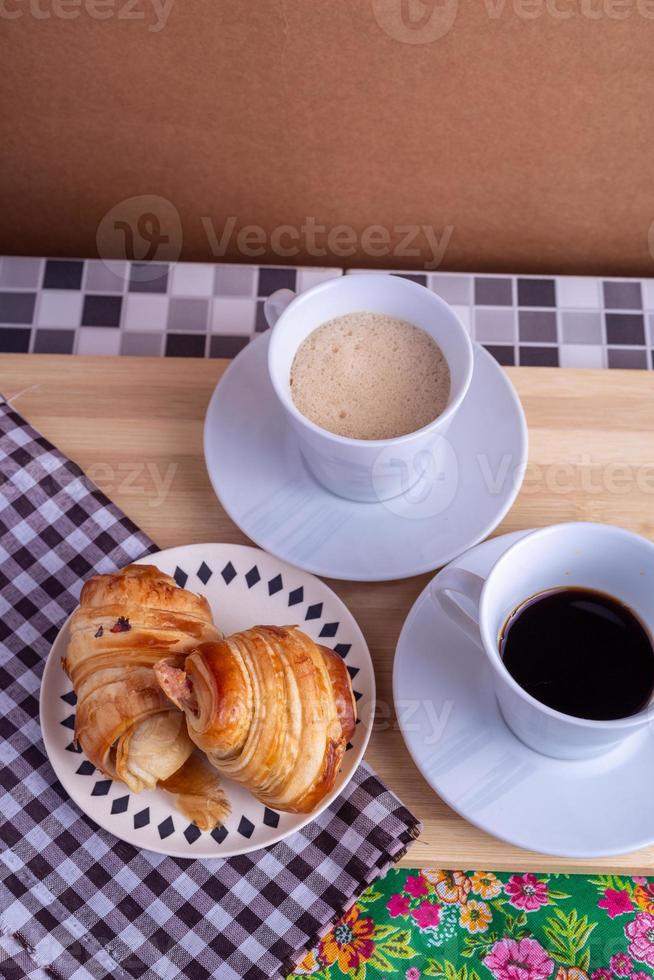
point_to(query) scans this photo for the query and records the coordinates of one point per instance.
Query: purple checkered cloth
(76, 903)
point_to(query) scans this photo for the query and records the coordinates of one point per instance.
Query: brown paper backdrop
(528, 133)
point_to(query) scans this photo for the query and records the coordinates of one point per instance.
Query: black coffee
(581, 652)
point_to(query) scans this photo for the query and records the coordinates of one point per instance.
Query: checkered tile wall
(70, 306)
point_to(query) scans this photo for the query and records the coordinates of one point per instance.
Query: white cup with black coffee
(370, 371)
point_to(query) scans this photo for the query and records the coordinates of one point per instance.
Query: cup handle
(275, 304)
(465, 584)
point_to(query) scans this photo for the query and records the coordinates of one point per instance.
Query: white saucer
(243, 586)
(260, 478)
(586, 809)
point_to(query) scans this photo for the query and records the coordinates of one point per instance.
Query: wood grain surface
(135, 426)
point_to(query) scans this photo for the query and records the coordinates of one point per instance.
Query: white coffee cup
(594, 556)
(363, 469)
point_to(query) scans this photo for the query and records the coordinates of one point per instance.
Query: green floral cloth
(476, 925)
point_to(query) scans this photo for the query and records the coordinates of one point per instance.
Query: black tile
(62, 274)
(185, 345)
(539, 356)
(625, 328)
(537, 326)
(536, 292)
(17, 307)
(421, 280)
(101, 311)
(634, 359)
(503, 355)
(273, 279)
(260, 322)
(220, 346)
(493, 292)
(14, 340)
(54, 341)
(622, 296)
(148, 277)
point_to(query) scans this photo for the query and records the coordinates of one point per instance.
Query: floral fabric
(477, 925)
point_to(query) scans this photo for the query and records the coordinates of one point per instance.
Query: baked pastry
(125, 623)
(198, 792)
(271, 709)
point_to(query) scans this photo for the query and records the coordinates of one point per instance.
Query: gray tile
(188, 314)
(536, 292)
(625, 328)
(622, 296)
(148, 277)
(17, 307)
(627, 358)
(54, 341)
(493, 292)
(494, 326)
(453, 289)
(21, 273)
(142, 344)
(537, 326)
(581, 328)
(539, 356)
(106, 277)
(235, 280)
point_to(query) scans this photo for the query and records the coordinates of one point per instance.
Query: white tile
(192, 279)
(233, 316)
(145, 312)
(306, 278)
(98, 340)
(463, 313)
(581, 356)
(578, 292)
(59, 308)
(648, 294)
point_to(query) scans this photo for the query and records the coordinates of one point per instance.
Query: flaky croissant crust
(271, 709)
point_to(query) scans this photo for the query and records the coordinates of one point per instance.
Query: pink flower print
(427, 914)
(397, 905)
(640, 975)
(526, 892)
(524, 959)
(639, 880)
(615, 902)
(415, 885)
(413, 973)
(601, 975)
(641, 934)
(621, 965)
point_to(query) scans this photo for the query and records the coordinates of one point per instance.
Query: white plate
(259, 477)
(579, 809)
(244, 587)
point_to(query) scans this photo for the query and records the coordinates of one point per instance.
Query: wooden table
(135, 426)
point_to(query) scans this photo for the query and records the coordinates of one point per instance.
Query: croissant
(271, 709)
(125, 623)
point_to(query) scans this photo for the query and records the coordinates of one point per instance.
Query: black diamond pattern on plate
(245, 827)
(342, 649)
(329, 629)
(101, 788)
(252, 577)
(228, 573)
(73, 747)
(275, 585)
(180, 577)
(270, 818)
(204, 573)
(349, 746)
(315, 611)
(120, 804)
(69, 722)
(297, 595)
(352, 671)
(357, 695)
(70, 698)
(219, 834)
(192, 833)
(166, 828)
(142, 818)
(86, 769)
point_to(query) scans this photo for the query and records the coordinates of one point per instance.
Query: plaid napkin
(77, 903)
